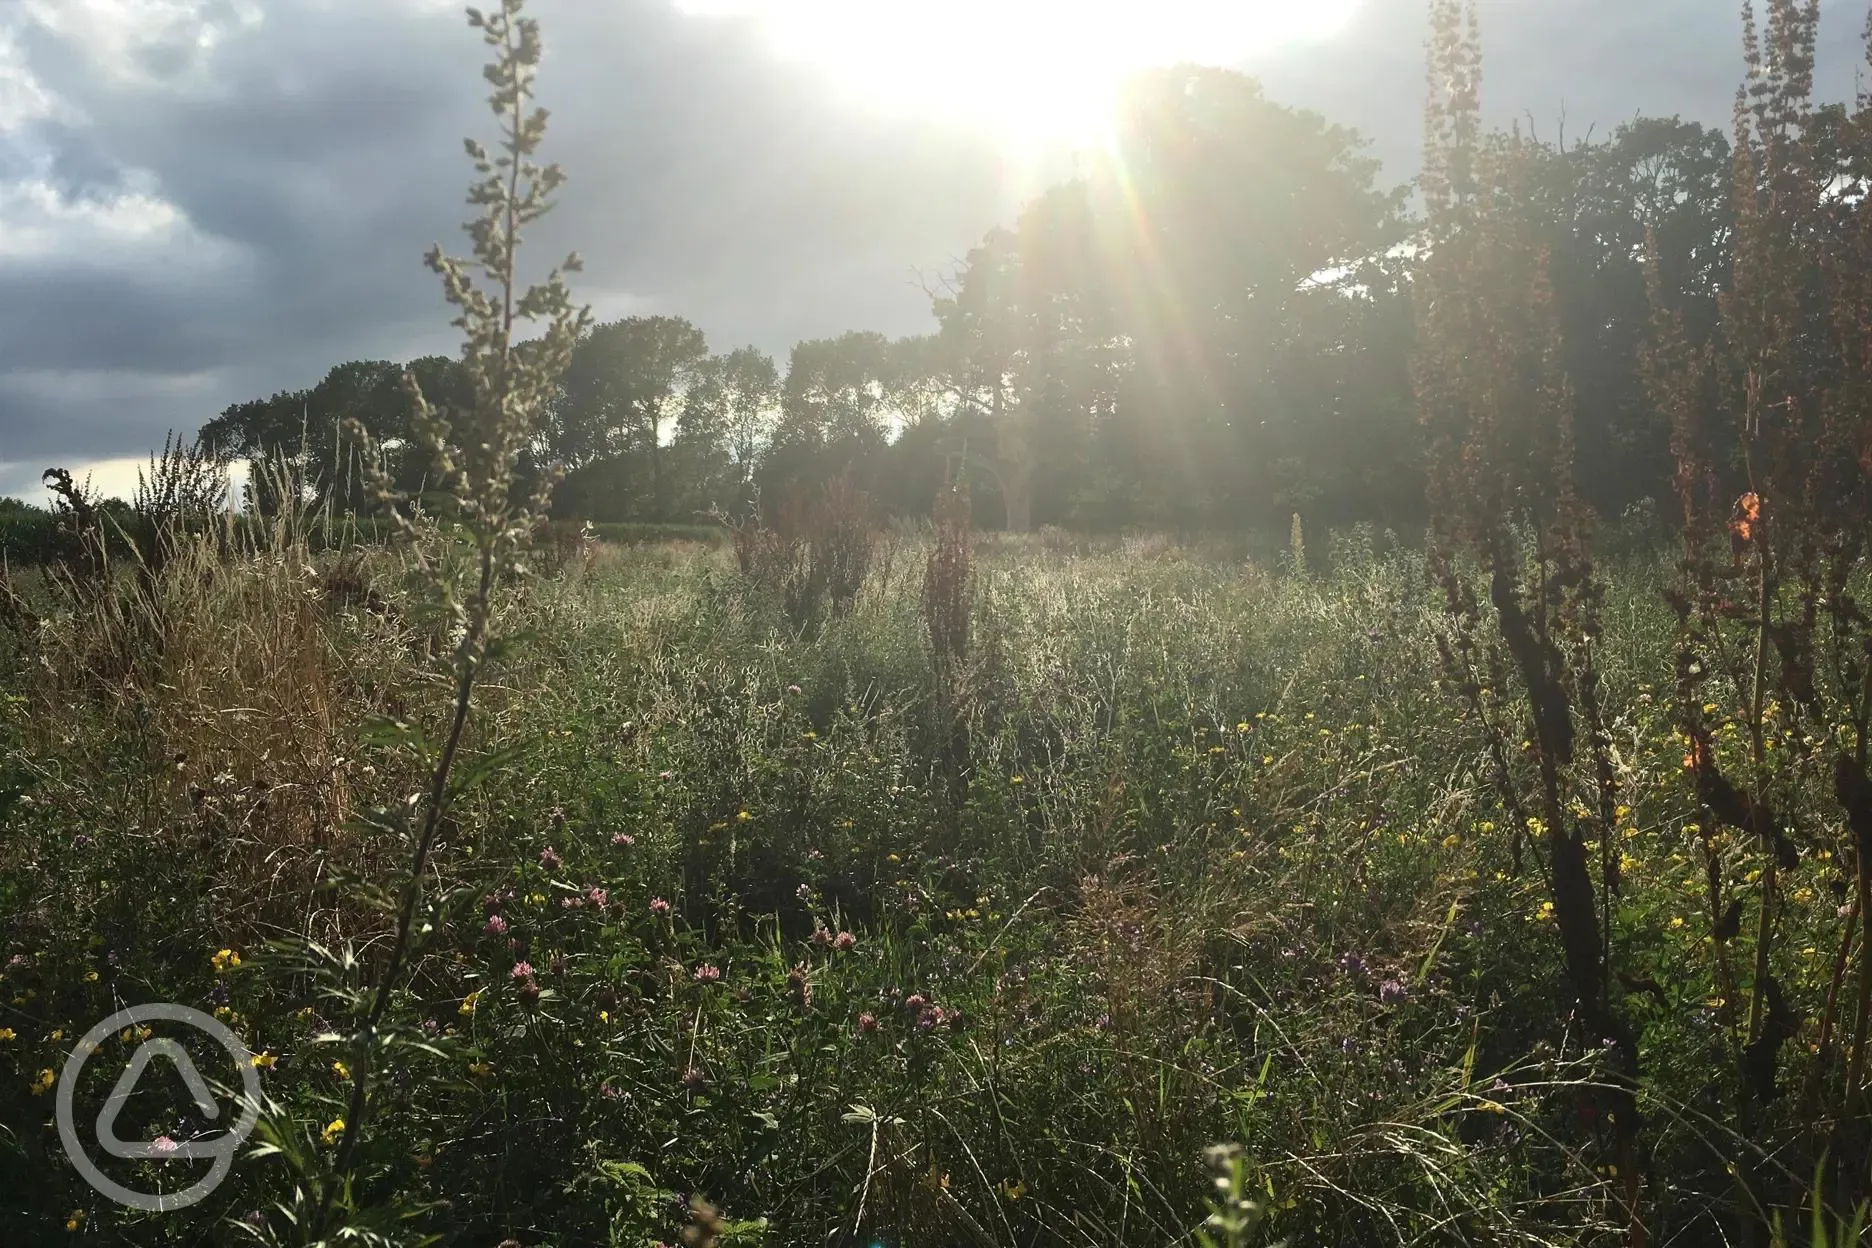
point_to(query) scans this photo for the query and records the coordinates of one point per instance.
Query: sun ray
(1043, 71)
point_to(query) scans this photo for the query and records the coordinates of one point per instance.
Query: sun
(1041, 70)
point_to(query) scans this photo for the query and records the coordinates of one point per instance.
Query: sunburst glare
(1041, 70)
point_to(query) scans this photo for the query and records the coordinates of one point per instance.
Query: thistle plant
(476, 454)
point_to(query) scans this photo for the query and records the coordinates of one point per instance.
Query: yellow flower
(333, 1130)
(264, 1061)
(469, 1002)
(894, 858)
(75, 1220)
(604, 1016)
(1242, 727)
(6, 1033)
(1017, 779)
(1485, 826)
(1676, 922)
(1452, 841)
(742, 816)
(43, 1083)
(225, 960)
(482, 1069)
(1491, 1107)
(90, 977)
(1013, 1189)
(1545, 912)
(58, 1033)
(341, 1070)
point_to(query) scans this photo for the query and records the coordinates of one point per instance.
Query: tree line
(1212, 327)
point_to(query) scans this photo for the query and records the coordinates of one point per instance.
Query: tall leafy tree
(622, 390)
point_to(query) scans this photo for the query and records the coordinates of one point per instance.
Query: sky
(205, 201)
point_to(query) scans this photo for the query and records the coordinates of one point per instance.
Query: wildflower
(1676, 922)
(1391, 992)
(1012, 1189)
(571, 903)
(1452, 841)
(867, 1023)
(225, 960)
(469, 1003)
(341, 1070)
(43, 1083)
(659, 907)
(333, 1130)
(75, 1220)
(821, 937)
(1017, 779)
(7, 1033)
(522, 970)
(799, 986)
(706, 973)
(666, 775)
(1351, 964)
(915, 1002)
(694, 1080)
(623, 839)
(844, 941)
(1545, 912)
(793, 690)
(163, 1144)
(265, 1061)
(549, 859)
(495, 926)
(480, 1070)
(742, 816)
(597, 897)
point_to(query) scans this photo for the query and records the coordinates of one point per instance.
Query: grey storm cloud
(222, 198)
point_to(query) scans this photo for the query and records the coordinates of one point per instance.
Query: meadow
(860, 876)
(1188, 848)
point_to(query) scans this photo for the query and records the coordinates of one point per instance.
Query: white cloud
(118, 35)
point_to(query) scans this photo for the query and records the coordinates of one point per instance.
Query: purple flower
(163, 1144)
(706, 973)
(666, 775)
(571, 903)
(522, 970)
(496, 926)
(597, 897)
(1351, 964)
(623, 839)
(794, 690)
(844, 941)
(1391, 992)
(694, 1080)
(821, 937)
(867, 1023)
(549, 859)
(659, 907)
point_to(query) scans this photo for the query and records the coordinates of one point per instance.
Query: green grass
(1228, 870)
